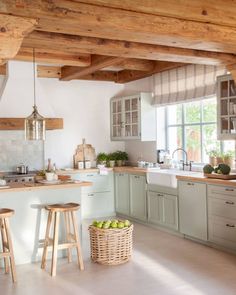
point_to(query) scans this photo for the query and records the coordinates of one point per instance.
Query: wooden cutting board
(84, 152)
(221, 176)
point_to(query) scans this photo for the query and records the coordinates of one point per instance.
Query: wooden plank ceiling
(118, 41)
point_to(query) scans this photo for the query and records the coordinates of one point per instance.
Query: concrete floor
(161, 264)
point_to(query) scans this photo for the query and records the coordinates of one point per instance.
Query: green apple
(106, 225)
(94, 223)
(127, 223)
(120, 224)
(113, 224)
(100, 224)
(115, 220)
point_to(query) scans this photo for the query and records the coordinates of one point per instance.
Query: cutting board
(221, 176)
(84, 152)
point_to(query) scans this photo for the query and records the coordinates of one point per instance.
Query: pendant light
(35, 123)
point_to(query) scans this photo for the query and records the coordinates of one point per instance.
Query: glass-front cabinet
(129, 117)
(226, 107)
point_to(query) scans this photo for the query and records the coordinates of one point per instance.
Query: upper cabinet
(226, 107)
(133, 117)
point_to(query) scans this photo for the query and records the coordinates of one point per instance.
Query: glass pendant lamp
(35, 123)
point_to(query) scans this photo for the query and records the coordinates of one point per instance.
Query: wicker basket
(111, 246)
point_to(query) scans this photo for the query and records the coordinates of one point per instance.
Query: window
(192, 126)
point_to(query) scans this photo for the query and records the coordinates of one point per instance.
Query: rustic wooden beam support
(12, 31)
(129, 75)
(19, 123)
(54, 57)
(98, 63)
(77, 18)
(218, 12)
(48, 72)
(137, 64)
(124, 49)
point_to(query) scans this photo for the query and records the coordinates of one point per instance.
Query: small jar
(80, 165)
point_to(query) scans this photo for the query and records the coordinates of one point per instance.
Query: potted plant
(102, 159)
(121, 158)
(228, 158)
(111, 159)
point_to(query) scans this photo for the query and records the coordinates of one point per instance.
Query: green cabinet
(193, 209)
(138, 197)
(163, 209)
(122, 193)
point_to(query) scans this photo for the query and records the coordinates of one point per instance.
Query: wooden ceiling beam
(55, 72)
(12, 31)
(137, 64)
(220, 12)
(77, 18)
(54, 57)
(89, 45)
(126, 76)
(98, 63)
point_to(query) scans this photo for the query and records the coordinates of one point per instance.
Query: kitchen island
(28, 224)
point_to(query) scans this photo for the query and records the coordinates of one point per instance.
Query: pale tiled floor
(161, 264)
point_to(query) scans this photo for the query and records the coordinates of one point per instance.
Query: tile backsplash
(14, 149)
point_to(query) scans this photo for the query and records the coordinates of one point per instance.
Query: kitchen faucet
(186, 163)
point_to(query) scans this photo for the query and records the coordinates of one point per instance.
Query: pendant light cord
(34, 77)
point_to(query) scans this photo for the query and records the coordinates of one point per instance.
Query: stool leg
(55, 244)
(68, 239)
(46, 241)
(78, 248)
(4, 242)
(9, 243)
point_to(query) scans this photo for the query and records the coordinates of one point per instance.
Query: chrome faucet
(186, 163)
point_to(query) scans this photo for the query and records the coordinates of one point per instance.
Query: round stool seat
(63, 207)
(5, 212)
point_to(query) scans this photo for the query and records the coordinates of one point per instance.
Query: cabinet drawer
(101, 183)
(214, 190)
(223, 232)
(222, 207)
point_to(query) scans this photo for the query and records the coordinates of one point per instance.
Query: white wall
(84, 106)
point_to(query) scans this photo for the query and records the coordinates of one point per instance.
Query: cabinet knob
(120, 174)
(190, 183)
(136, 176)
(89, 175)
(229, 203)
(230, 225)
(90, 195)
(160, 195)
(229, 189)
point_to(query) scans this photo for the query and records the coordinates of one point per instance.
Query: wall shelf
(19, 123)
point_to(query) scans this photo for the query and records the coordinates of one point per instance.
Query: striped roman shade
(186, 83)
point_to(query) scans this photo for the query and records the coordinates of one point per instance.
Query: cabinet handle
(90, 195)
(160, 195)
(89, 175)
(136, 176)
(230, 225)
(229, 203)
(190, 183)
(229, 189)
(120, 174)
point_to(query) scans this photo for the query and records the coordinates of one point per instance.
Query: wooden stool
(72, 240)
(7, 253)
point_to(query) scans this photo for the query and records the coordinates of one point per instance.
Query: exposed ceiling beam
(55, 72)
(54, 57)
(12, 31)
(220, 12)
(129, 75)
(137, 64)
(98, 63)
(76, 18)
(89, 45)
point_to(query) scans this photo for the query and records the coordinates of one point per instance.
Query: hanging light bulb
(35, 123)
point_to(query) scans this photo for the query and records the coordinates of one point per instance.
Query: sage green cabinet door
(193, 209)
(138, 196)
(122, 193)
(155, 207)
(170, 211)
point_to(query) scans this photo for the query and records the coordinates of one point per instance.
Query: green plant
(101, 157)
(111, 157)
(214, 153)
(119, 155)
(228, 155)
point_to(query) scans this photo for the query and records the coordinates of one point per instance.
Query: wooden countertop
(129, 169)
(74, 171)
(201, 178)
(15, 187)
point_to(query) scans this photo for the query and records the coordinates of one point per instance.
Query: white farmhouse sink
(165, 177)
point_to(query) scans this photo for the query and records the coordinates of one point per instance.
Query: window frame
(183, 126)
